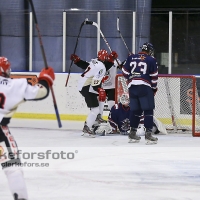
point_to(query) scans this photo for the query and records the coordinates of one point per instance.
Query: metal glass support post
(30, 42)
(64, 41)
(170, 44)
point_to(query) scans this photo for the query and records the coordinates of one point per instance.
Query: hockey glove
(154, 91)
(121, 65)
(113, 55)
(74, 58)
(102, 94)
(47, 75)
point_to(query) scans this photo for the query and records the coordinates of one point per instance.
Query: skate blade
(101, 134)
(149, 142)
(88, 135)
(133, 141)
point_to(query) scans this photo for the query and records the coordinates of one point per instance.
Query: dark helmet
(148, 47)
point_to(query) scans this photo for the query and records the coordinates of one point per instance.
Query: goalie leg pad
(103, 128)
(141, 130)
(160, 126)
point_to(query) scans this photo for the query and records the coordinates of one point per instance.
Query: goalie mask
(148, 47)
(124, 99)
(4, 67)
(102, 55)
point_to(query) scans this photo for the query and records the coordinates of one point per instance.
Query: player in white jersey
(90, 83)
(108, 84)
(12, 93)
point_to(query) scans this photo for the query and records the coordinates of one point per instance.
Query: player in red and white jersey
(109, 85)
(90, 84)
(12, 93)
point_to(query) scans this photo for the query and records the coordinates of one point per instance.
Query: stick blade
(118, 23)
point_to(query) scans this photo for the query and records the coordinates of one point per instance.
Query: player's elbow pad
(43, 91)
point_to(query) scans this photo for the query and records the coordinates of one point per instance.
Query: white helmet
(124, 99)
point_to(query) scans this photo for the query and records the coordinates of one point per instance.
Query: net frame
(194, 116)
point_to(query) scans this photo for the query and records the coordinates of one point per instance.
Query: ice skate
(87, 131)
(150, 139)
(133, 137)
(100, 120)
(16, 197)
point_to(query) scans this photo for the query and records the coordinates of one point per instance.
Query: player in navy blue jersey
(141, 72)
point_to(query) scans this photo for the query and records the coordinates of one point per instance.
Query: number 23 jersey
(92, 76)
(141, 69)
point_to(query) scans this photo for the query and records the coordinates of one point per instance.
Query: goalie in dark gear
(119, 116)
(119, 122)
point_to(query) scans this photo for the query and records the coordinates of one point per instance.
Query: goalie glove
(47, 75)
(102, 94)
(74, 58)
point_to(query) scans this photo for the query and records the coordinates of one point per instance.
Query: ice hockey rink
(105, 167)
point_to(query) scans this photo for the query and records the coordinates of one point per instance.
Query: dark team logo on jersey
(100, 73)
(125, 124)
(4, 82)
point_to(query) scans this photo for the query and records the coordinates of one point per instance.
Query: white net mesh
(177, 102)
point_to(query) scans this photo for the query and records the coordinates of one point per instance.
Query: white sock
(92, 116)
(101, 107)
(111, 104)
(16, 181)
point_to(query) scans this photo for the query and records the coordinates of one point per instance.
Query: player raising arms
(12, 93)
(141, 71)
(90, 84)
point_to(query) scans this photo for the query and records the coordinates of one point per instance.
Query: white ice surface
(106, 168)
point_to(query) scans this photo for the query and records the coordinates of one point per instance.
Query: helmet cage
(124, 99)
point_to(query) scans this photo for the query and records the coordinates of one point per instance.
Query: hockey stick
(45, 61)
(122, 36)
(83, 23)
(102, 35)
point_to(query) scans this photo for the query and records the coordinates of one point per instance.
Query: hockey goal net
(176, 102)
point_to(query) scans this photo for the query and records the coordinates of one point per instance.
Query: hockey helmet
(102, 55)
(124, 99)
(148, 47)
(4, 67)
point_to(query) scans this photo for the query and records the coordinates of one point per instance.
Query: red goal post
(176, 102)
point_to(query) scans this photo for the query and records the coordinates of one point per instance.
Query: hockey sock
(111, 104)
(92, 116)
(16, 181)
(134, 119)
(148, 119)
(101, 107)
